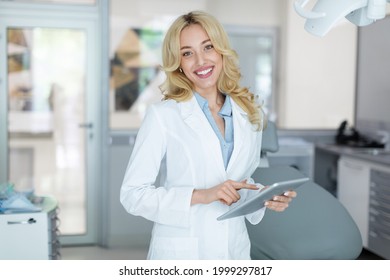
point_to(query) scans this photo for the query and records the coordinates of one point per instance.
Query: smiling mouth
(204, 73)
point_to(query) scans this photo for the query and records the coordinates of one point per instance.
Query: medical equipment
(325, 14)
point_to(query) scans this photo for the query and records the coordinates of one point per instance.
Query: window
(46, 88)
(256, 49)
(135, 74)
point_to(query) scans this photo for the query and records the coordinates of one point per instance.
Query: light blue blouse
(227, 143)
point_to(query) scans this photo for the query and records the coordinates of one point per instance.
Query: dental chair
(314, 226)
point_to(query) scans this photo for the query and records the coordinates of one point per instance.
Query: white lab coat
(180, 133)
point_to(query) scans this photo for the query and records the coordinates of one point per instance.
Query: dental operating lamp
(327, 13)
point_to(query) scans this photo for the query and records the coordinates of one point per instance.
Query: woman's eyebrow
(188, 47)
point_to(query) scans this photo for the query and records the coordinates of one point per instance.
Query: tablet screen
(256, 202)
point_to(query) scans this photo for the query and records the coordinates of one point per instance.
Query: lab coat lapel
(240, 124)
(194, 117)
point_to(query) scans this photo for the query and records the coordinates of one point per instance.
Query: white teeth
(204, 72)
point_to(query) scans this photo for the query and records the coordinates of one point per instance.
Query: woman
(208, 132)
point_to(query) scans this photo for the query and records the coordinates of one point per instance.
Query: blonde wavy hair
(178, 87)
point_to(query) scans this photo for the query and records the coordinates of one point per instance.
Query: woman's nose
(200, 59)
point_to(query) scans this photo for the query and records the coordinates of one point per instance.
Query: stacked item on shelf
(12, 201)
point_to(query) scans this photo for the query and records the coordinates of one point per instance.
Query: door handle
(86, 125)
(29, 221)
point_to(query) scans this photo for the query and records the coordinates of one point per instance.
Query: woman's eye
(209, 47)
(186, 53)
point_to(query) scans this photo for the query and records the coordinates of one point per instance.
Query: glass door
(46, 94)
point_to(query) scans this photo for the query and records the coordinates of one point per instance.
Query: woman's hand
(226, 192)
(280, 202)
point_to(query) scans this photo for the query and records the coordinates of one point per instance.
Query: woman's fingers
(276, 205)
(279, 203)
(291, 194)
(245, 185)
(282, 198)
(227, 192)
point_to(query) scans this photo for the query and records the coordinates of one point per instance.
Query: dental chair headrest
(270, 139)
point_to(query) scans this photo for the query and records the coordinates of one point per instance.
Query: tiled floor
(99, 253)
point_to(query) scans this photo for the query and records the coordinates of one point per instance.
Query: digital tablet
(255, 203)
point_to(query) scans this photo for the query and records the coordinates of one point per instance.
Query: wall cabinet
(379, 222)
(30, 236)
(353, 192)
(364, 190)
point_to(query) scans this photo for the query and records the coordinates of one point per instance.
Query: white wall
(247, 12)
(317, 77)
(316, 84)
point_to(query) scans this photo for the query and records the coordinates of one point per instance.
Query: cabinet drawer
(380, 177)
(24, 236)
(353, 181)
(378, 219)
(379, 225)
(379, 191)
(380, 203)
(379, 239)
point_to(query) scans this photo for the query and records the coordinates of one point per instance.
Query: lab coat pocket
(174, 248)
